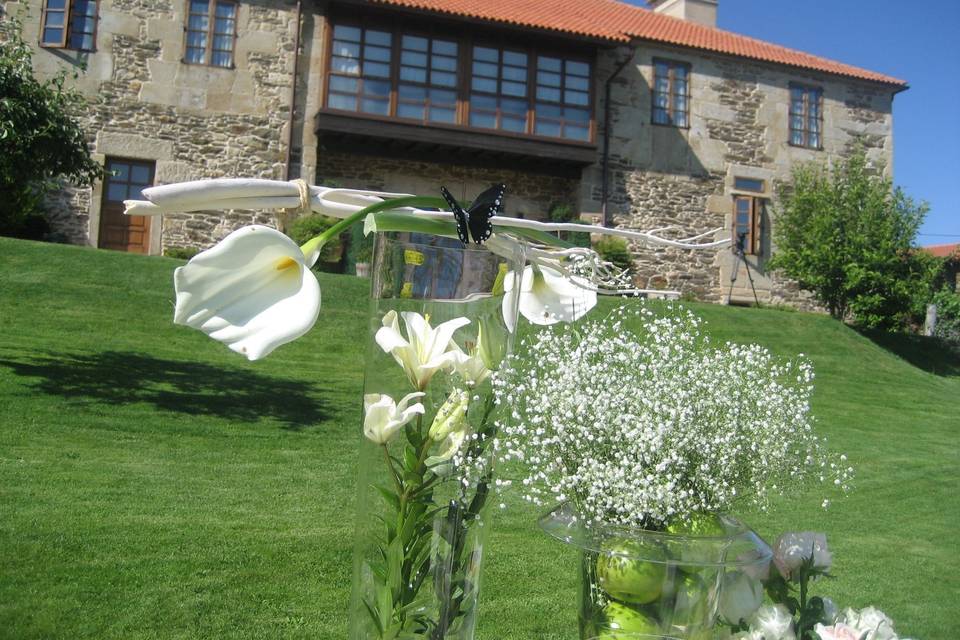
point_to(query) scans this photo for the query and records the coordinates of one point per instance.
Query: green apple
(623, 623)
(631, 571)
(690, 604)
(696, 553)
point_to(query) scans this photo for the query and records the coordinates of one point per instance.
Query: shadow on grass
(191, 388)
(933, 355)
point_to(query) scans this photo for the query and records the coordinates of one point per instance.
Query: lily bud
(450, 417)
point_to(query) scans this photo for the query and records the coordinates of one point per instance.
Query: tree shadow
(116, 377)
(933, 355)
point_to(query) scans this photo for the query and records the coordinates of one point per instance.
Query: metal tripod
(741, 258)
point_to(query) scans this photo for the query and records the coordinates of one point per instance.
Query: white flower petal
(252, 291)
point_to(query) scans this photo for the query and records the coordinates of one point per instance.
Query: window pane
(376, 88)
(413, 58)
(660, 116)
(576, 132)
(576, 97)
(55, 19)
(547, 128)
(576, 115)
(815, 140)
(415, 43)
(513, 106)
(224, 26)
(413, 74)
(485, 84)
(226, 10)
(140, 175)
(443, 78)
(548, 79)
(443, 115)
(380, 54)
(548, 64)
(748, 184)
(223, 43)
(680, 118)
(575, 82)
(443, 63)
(196, 39)
(483, 102)
(194, 56)
(116, 192)
(513, 123)
(414, 111)
(346, 49)
(549, 111)
(346, 85)
(199, 6)
(376, 69)
(56, 4)
(222, 58)
(445, 47)
(199, 23)
(796, 122)
(485, 54)
(546, 93)
(410, 92)
(84, 8)
(796, 137)
(345, 65)
(83, 42)
(578, 68)
(485, 69)
(339, 101)
(439, 96)
(379, 107)
(381, 38)
(52, 36)
(342, 32)
(513, 88)
(515, 58)
(518, 74)
(120, 172)
(482, 119)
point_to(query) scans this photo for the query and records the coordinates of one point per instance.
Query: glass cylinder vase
(438, 329)
(639, 584)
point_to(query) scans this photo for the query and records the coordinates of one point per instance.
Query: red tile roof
(620, 22)
(944, 250)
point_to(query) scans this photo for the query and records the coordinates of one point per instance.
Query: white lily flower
(253, 291)
(547, 296)
(383, 418)
(425, 349)
(470, 366)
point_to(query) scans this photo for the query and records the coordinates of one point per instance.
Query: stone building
(642, 117)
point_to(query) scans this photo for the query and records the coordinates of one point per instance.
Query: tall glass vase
(437, 331)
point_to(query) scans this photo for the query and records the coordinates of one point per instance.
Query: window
(806, 116)
(748, 213)
(69, 24)
(749, 184)
(211, 31)
(443, 80)
(360, 70)
(671, 93)
(498, 89)
(563, 98)
(428, 79)
(124, 180)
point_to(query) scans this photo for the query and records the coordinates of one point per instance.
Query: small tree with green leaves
(848, 236)
(40, 140)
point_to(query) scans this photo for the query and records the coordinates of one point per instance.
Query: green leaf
(390, 496)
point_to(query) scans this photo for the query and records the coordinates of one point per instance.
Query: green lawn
(155, 485)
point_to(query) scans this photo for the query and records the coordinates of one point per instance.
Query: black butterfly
(476, 219)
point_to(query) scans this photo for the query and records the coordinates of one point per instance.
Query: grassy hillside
(155, 485)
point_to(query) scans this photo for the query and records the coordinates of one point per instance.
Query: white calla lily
(547, 296)
(424, 350)
(383, 418)
(253, 291)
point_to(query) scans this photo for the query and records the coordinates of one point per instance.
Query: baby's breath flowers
(639, 420)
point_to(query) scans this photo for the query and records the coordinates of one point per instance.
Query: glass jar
(636, 583)
(437, 330)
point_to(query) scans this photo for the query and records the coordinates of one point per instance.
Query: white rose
(740, 596)
(838, 631)
(795, 547)
(774, 622)
(870, 621)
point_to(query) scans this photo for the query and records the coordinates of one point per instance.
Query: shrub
(181, 253)
(615, 251)
(948, 316)
(308, 227)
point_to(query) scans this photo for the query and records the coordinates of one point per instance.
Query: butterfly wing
(459, 214)
(487, 205)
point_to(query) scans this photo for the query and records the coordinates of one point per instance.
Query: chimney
(700, 11)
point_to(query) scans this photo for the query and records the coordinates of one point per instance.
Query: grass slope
(155, 485)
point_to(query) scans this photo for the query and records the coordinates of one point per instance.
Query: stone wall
(662, 176)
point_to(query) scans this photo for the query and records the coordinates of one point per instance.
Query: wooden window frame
(211, 34)
(805, 116)
(671, 109)
(427, 85)
(753, 242)
(68, 16)
(465, 42)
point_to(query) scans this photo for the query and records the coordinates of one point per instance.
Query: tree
(848, 236)
(40, 140)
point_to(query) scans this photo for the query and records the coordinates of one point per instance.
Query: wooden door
(125, 180)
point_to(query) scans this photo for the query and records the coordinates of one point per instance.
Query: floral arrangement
(799, 559)
(638, 420)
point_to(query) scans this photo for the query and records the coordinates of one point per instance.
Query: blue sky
(921, 46)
